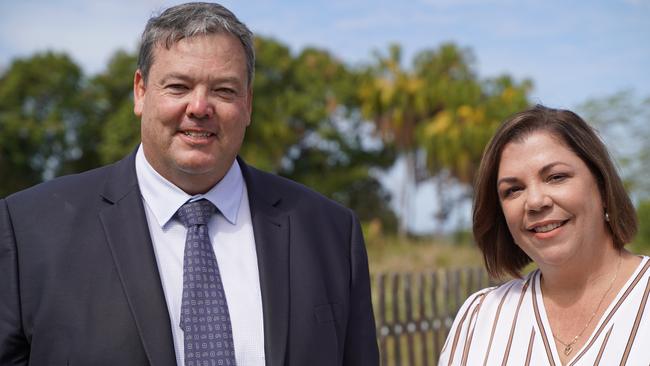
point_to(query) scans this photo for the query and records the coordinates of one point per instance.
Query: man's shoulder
(72, 185)
(297, 193)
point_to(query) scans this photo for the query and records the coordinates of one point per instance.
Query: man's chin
(198, 169)
(203, 166)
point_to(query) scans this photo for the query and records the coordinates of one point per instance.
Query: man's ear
(139, 90)
(250, 105)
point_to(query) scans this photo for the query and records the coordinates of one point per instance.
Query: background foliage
(316, 120)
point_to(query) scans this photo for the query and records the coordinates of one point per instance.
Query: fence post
(397, 325)
(422, 324)
(407, 316)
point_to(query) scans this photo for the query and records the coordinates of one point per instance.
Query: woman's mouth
(548, 227)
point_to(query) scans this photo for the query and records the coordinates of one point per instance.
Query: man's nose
(200, 106)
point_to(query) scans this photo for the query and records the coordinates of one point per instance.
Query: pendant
(568, 349)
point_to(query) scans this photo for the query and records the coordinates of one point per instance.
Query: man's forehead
(222, 47)
(172, 41)
(229, 43)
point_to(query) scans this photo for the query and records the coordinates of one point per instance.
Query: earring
(606, 217)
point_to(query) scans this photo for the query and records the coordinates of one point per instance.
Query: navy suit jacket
(79, 283)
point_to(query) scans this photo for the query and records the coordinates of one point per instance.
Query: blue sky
(572, 50)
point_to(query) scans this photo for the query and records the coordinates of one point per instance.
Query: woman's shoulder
(644, 259)
(513, 287)
(482, 306)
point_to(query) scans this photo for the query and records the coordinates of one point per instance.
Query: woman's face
(550, 200)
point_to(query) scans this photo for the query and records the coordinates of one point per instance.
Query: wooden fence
(414, 311)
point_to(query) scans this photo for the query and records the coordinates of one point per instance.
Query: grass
(391, 254)
(388, 253)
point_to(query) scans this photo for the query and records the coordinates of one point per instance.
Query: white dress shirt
(509, 324)
(231, 234)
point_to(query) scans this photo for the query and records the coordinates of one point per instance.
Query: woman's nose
(537, 199)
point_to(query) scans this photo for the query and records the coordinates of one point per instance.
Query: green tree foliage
(623, 121)
(642, 239)
(438, 109)
(270, 131)
(40, 111)
(306, 127)
(454, 138)
(393, 97)
(113, 120)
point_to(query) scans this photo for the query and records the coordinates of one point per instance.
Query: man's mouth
(197, 134)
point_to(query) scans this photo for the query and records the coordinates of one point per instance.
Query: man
(105, 267)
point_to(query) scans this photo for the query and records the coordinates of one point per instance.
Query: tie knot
(196, 213)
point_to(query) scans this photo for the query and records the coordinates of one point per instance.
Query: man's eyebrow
(226, 79)
(213, 80)
(175, 75)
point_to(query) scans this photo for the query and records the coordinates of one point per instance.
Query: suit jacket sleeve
(361, 342)
(14, 348)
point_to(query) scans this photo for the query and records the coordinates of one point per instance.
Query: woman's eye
(508, 192)
(557, 177)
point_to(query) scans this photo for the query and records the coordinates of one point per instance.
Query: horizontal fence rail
(414, 311)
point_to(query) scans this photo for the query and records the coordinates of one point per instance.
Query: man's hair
(190, 20)
(501, 254)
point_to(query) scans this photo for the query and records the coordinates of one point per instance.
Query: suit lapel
(271, 230)
(128, 237)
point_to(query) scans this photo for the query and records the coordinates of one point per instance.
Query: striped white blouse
(507, 325)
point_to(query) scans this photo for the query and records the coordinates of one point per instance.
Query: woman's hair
(501, 254)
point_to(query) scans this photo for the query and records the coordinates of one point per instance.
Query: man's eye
(176, 87)
(227, 94)
(226, 91)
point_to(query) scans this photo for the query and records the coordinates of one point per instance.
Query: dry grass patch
(390, 254)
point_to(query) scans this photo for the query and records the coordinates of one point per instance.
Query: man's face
(194, 106)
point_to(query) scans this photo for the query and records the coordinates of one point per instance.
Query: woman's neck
(569, 280)
(574, 285)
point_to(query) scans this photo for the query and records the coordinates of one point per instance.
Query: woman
(547, 192)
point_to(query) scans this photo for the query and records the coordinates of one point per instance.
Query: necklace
(568, 346)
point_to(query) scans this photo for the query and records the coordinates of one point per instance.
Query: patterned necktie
(205, 320)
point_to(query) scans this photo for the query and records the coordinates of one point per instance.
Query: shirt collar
(164, 198)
